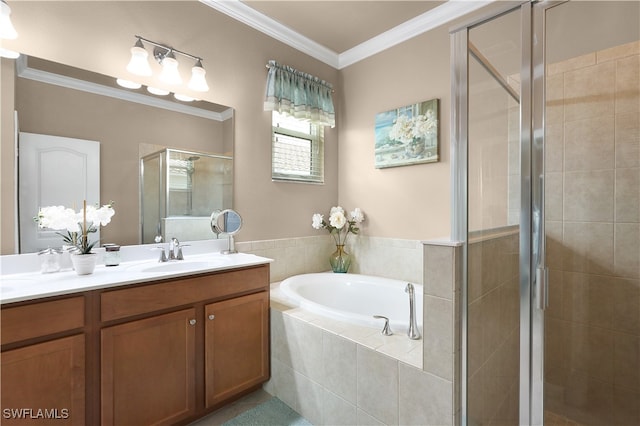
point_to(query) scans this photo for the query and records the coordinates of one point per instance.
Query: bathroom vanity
(156, 347)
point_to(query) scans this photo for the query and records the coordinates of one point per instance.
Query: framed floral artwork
(407, 135)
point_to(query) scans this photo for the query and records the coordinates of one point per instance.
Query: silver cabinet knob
(211, 316)
(192, 322)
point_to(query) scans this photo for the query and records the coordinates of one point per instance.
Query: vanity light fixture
(7, 31)
(166, 56)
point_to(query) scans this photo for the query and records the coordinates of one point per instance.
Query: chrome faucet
(413, 332)
(175, 250)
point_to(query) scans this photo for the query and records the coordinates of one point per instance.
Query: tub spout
(413, 332)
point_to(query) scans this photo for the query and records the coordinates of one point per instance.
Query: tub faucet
(413, 332)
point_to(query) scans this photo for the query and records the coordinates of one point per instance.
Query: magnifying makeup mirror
(227, 222)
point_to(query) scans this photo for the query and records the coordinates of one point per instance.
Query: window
(297, 150)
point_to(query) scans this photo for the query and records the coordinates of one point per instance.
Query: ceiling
(341, 33)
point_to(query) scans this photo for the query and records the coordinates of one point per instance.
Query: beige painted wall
(403, 202)
(98, 35)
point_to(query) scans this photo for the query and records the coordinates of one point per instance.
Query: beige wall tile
(555, 100)
(626, 302)
(554, 148)
(591, 351)
(378, 385)
(627, 250)
(626, 360)
(627, 85)
(365, 419)
(310, 398)
(626, 406)
(438, 271)
(588, 196)
(337, 411)
(627, 195)
(588, 247)
(553, 192)
(438, 337)
(425, 399)
(588, 299)
(589, 143)
(589, 92)
(555, 294)
(572, 64)
(627, 130)
(339, 359)
(592, 397)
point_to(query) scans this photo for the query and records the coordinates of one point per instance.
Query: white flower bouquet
(76, 224)
(339, 226)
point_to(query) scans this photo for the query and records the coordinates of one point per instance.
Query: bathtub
(354, 298)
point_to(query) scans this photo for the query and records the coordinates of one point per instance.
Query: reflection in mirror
(226, 222)
(179, 189)
(55, 99)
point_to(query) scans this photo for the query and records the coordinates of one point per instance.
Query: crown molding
(251, 17)
(452, 9)
(427, 21)
(24, 71)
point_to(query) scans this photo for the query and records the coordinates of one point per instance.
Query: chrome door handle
(542, 288)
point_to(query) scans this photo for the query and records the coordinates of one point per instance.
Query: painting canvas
(407, 135)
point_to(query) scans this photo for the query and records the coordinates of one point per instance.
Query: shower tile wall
(493, 327)
(592, 347)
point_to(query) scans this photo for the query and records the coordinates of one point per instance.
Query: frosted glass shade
(170, 73)
(156, 91)
(6, 27)
(139, 65)
(128, 83)
(198, 82)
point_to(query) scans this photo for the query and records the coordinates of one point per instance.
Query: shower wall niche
(178, 192)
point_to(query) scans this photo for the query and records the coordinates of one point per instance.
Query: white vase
(84, 264)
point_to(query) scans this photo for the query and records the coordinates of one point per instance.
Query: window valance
(299, 94)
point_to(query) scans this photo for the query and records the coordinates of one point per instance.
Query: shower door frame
(533, 271)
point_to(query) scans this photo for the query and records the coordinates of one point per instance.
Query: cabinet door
(236, 345)
(44, 383)
(148, 370)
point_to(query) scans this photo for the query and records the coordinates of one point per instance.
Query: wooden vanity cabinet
(43, 362)
(236, 346)
(173, 350)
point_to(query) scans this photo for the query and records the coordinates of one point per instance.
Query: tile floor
(234, 409)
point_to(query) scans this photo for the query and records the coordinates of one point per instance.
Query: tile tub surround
(384, 257)
(339, 374)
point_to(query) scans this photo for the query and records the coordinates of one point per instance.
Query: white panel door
(54, 170)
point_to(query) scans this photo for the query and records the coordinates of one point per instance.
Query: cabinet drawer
(39, 319)
(155, 297)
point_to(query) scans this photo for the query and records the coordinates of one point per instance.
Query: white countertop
(35, 285)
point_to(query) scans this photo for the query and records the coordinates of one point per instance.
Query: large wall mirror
(130, 124)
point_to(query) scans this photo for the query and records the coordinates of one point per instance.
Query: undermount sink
(182, 266)
(7, 285)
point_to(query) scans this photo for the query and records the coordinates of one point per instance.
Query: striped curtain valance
(299, 95)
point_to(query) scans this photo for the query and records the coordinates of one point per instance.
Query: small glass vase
(340, 260)
(84, 264)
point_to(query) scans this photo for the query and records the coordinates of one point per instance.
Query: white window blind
(297, 150)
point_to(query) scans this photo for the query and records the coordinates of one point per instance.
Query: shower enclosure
(178, 192)
(546, 153)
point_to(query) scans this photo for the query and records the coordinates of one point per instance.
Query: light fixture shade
(183, 98)
(139, 65)
(170, 73)
(6, 27)
(128, 83)
(156, 91)
(198, 82)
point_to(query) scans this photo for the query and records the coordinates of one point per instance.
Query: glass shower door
(591, 127)
(494, 219)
